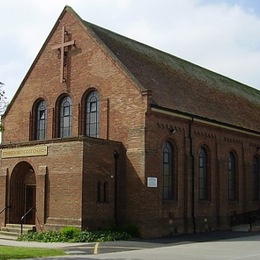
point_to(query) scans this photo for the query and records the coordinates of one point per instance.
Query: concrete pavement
(213, 245)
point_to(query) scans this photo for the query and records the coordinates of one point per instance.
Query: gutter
(203, 120)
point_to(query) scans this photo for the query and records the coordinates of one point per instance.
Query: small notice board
(152, 182)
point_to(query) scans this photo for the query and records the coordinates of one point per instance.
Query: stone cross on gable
(61, 47)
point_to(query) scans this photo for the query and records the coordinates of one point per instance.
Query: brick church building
(107, 131)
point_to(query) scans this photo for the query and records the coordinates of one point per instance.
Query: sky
(220, 35)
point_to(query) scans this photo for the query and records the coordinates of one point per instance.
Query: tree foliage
(3, 103)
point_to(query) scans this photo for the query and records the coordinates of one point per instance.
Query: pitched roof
(182, 86)
(176, 84)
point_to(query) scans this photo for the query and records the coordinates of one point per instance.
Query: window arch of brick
(169, 186)
(256, 178)
(39, 120)
(232, 176)
(65, 117)
(92, 114)
(204, 174)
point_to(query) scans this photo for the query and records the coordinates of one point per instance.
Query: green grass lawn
(10, 252)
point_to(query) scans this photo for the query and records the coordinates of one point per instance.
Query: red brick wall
(100, 166)
(163, 218)
(90, 66)
(3, 185)
(66, 182)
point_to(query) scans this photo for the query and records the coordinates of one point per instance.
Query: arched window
(256, 179)
(65, 117)
(168, 172)
(41, 120)
(203, 175)
(232, 177)
(92, 114)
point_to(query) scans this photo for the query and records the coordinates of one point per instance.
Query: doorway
(22, 194)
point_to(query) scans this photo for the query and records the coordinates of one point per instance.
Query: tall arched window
(92, 114)
(256, 178)
(168, 172)
(65, 117)
(203, 175)
(232, 177)
(41, 120)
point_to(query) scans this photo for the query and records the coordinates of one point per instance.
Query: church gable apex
(69, 37)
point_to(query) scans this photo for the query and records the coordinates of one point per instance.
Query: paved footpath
(213, 245)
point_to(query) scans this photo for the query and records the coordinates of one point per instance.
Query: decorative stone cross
(61, 47)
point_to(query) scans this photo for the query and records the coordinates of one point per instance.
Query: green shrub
(85, 236)
(50, 236)
(72, 234)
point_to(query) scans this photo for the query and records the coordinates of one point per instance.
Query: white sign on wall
(152, 182)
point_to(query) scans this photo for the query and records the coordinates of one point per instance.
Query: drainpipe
(192, 178)
(116, 155)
